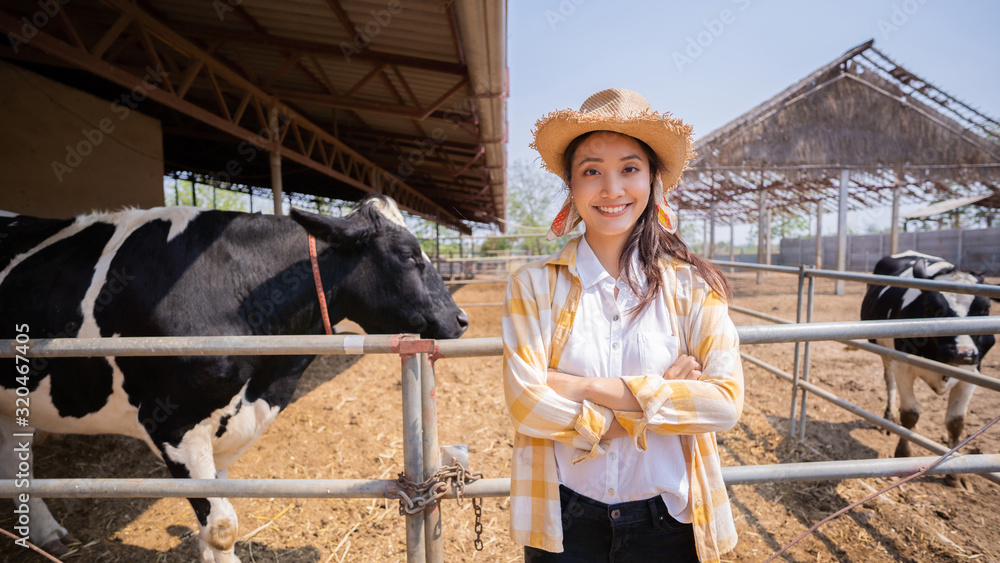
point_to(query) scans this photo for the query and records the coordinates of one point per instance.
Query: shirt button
(611, 492)
(612, 455)
(616, 318)
(615, 345)
(616, 513)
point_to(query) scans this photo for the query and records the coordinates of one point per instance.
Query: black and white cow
(885, 302)
(187, 272)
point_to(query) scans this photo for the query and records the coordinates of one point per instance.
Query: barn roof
(861, 112)
(406, 98)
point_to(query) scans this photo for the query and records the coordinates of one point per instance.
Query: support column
(413, 453)
(276, 187)
(819, 235)
(768, 244)
(711, 230)
(762, 227)
(845, 178)
(704, 239)
(732, 241)
(897, 192)
(437, 247)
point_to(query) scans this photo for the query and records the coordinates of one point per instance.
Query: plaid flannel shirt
(538, 313)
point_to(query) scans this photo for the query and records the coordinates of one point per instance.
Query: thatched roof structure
(861, 112)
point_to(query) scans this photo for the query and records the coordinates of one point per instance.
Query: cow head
(962, 350)
(383, 280)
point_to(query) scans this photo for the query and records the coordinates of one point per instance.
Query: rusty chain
(415, 497)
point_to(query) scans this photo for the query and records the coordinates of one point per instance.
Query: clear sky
(708, 62)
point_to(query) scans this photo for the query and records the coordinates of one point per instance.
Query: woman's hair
(652, 241)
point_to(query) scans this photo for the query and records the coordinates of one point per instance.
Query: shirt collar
(570, 255)
(588, 266)
(566, 256)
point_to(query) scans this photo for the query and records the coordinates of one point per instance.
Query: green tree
(782, 226)
(195, 192)
(534, 197)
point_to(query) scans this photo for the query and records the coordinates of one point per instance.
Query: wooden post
(845, 177)
(276, 187)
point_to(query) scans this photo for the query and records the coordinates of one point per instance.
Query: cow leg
(958, 406)
(43, 530)
(889, 372)
(193, 459)
(909, 410)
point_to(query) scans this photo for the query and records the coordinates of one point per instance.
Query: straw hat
(622, 111)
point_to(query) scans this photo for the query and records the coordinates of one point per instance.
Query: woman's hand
(685, 367)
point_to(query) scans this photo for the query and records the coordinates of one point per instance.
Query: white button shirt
(608, 341)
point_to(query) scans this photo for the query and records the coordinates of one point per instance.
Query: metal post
(761, 227)
(732, 244)
(959, 250)
(897, 193)
(795, 362)
(437, 247)
(819, 235)
(711, 231)
(805, 358)
(768, 238)
(413, 453)
(845, 177)
(276, 187)
(432, 458)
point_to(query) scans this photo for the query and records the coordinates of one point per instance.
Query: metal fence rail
(919, 361)
(383, 488)
(801, 362)
(379, 344)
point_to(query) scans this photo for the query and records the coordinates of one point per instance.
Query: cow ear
(920, 268)
(337, 231)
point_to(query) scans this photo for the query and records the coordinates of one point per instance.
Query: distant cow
(885, 302)
(186, 272)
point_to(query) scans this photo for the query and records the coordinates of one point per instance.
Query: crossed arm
(613, 392)
(582, 411)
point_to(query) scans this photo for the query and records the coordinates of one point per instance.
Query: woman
(620, 360)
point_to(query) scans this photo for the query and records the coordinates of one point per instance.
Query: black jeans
(638, 531)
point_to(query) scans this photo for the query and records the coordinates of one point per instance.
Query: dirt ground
(345, 423)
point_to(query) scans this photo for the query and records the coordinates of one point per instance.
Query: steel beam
(334, 158)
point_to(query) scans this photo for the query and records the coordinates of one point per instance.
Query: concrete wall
(974, 249)
(64, 152)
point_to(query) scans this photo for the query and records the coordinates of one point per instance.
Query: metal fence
(421, 459)
(801, 363)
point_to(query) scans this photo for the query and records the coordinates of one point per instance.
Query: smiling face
(610, 179)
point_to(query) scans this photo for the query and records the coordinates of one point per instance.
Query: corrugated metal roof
(395, 81)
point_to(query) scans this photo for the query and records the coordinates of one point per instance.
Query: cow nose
(463, 320)
(967, 356)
